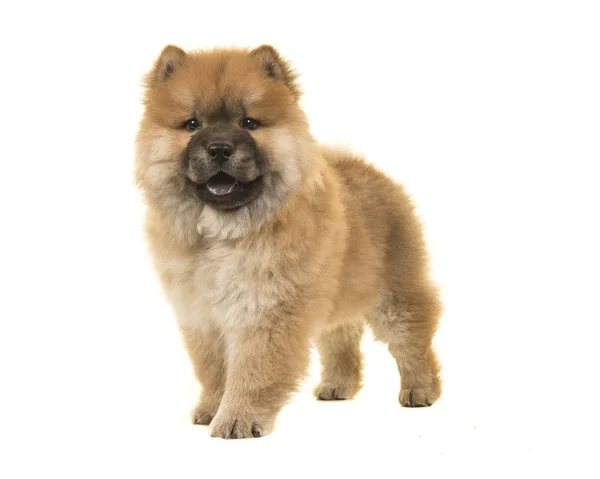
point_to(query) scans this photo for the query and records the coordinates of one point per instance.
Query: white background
(488, 113)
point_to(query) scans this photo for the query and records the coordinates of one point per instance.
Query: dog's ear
(276, 67)
(169, 60)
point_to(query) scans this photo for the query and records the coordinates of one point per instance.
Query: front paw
(237, 426)
(339, 391)
(420, 396)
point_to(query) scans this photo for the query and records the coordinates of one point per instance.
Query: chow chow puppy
(265, 241)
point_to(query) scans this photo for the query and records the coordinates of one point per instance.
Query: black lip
(243, 193)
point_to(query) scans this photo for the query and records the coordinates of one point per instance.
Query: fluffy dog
(265, 241)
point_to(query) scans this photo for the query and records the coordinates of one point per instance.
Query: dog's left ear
(276, 67)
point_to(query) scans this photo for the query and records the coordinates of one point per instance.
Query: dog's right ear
(170, 59)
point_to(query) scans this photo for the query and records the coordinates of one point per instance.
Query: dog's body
(282, 244)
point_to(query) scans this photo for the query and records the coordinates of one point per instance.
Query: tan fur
(329, 245)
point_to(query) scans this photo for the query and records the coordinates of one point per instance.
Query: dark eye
(249, 124)
(192, 124)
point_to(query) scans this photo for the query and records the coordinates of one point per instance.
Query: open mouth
(226, 192)
(221, 184)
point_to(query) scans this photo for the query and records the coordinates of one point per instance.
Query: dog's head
(223, 136)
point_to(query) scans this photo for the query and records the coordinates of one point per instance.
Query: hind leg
(341, 362)
(407, 324)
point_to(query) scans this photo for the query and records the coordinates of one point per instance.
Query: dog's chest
(228, 285)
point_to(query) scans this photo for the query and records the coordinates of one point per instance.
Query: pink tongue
(221, 184)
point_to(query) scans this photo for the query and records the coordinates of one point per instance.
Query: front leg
(206, 353)
(264, 365)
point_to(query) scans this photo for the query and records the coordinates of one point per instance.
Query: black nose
(220, 151)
